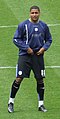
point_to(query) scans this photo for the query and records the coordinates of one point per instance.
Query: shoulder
(43, 25)
(22, 24)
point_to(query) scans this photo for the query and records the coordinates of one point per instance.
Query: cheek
(32, 16)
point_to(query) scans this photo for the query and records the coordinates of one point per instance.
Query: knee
(19, 80)
(40, 81)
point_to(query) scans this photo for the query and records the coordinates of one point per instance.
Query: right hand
(30, 51)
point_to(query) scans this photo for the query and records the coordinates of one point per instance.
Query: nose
(34, 14)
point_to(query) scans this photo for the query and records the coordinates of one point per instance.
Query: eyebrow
(33, 12)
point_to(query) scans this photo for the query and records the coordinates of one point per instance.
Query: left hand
(41, 51)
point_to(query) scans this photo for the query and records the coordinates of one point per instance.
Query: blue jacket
(33, 35)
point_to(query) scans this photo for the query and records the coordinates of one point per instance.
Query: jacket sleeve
(19, 39)
(48, 38)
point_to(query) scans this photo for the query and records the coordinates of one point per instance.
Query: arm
(18, 39)
(48, 41)
(48, 38)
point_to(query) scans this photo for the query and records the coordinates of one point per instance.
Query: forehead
(34, 10)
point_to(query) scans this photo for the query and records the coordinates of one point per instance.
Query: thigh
(38, 66)
(23, 67)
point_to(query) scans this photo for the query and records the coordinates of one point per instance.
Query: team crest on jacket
(20, 72)
(36, 29)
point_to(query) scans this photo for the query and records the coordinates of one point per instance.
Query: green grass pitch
(12, 12)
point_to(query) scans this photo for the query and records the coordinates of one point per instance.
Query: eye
(34, 12)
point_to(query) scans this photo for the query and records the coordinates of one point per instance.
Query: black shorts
(27, 63)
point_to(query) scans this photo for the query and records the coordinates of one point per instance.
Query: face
(34, 15)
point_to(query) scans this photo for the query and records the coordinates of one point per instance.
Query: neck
(33, 21)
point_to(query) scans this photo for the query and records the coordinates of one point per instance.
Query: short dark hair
(34, 7)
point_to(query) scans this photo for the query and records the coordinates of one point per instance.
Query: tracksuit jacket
(33, 35)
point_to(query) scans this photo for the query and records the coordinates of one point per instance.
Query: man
(33, 38)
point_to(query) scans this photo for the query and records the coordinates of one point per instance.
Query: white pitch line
(7, 67)
(13, 67)
(52, 67)
(13, 26)
(9, 26)
(53, 24)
